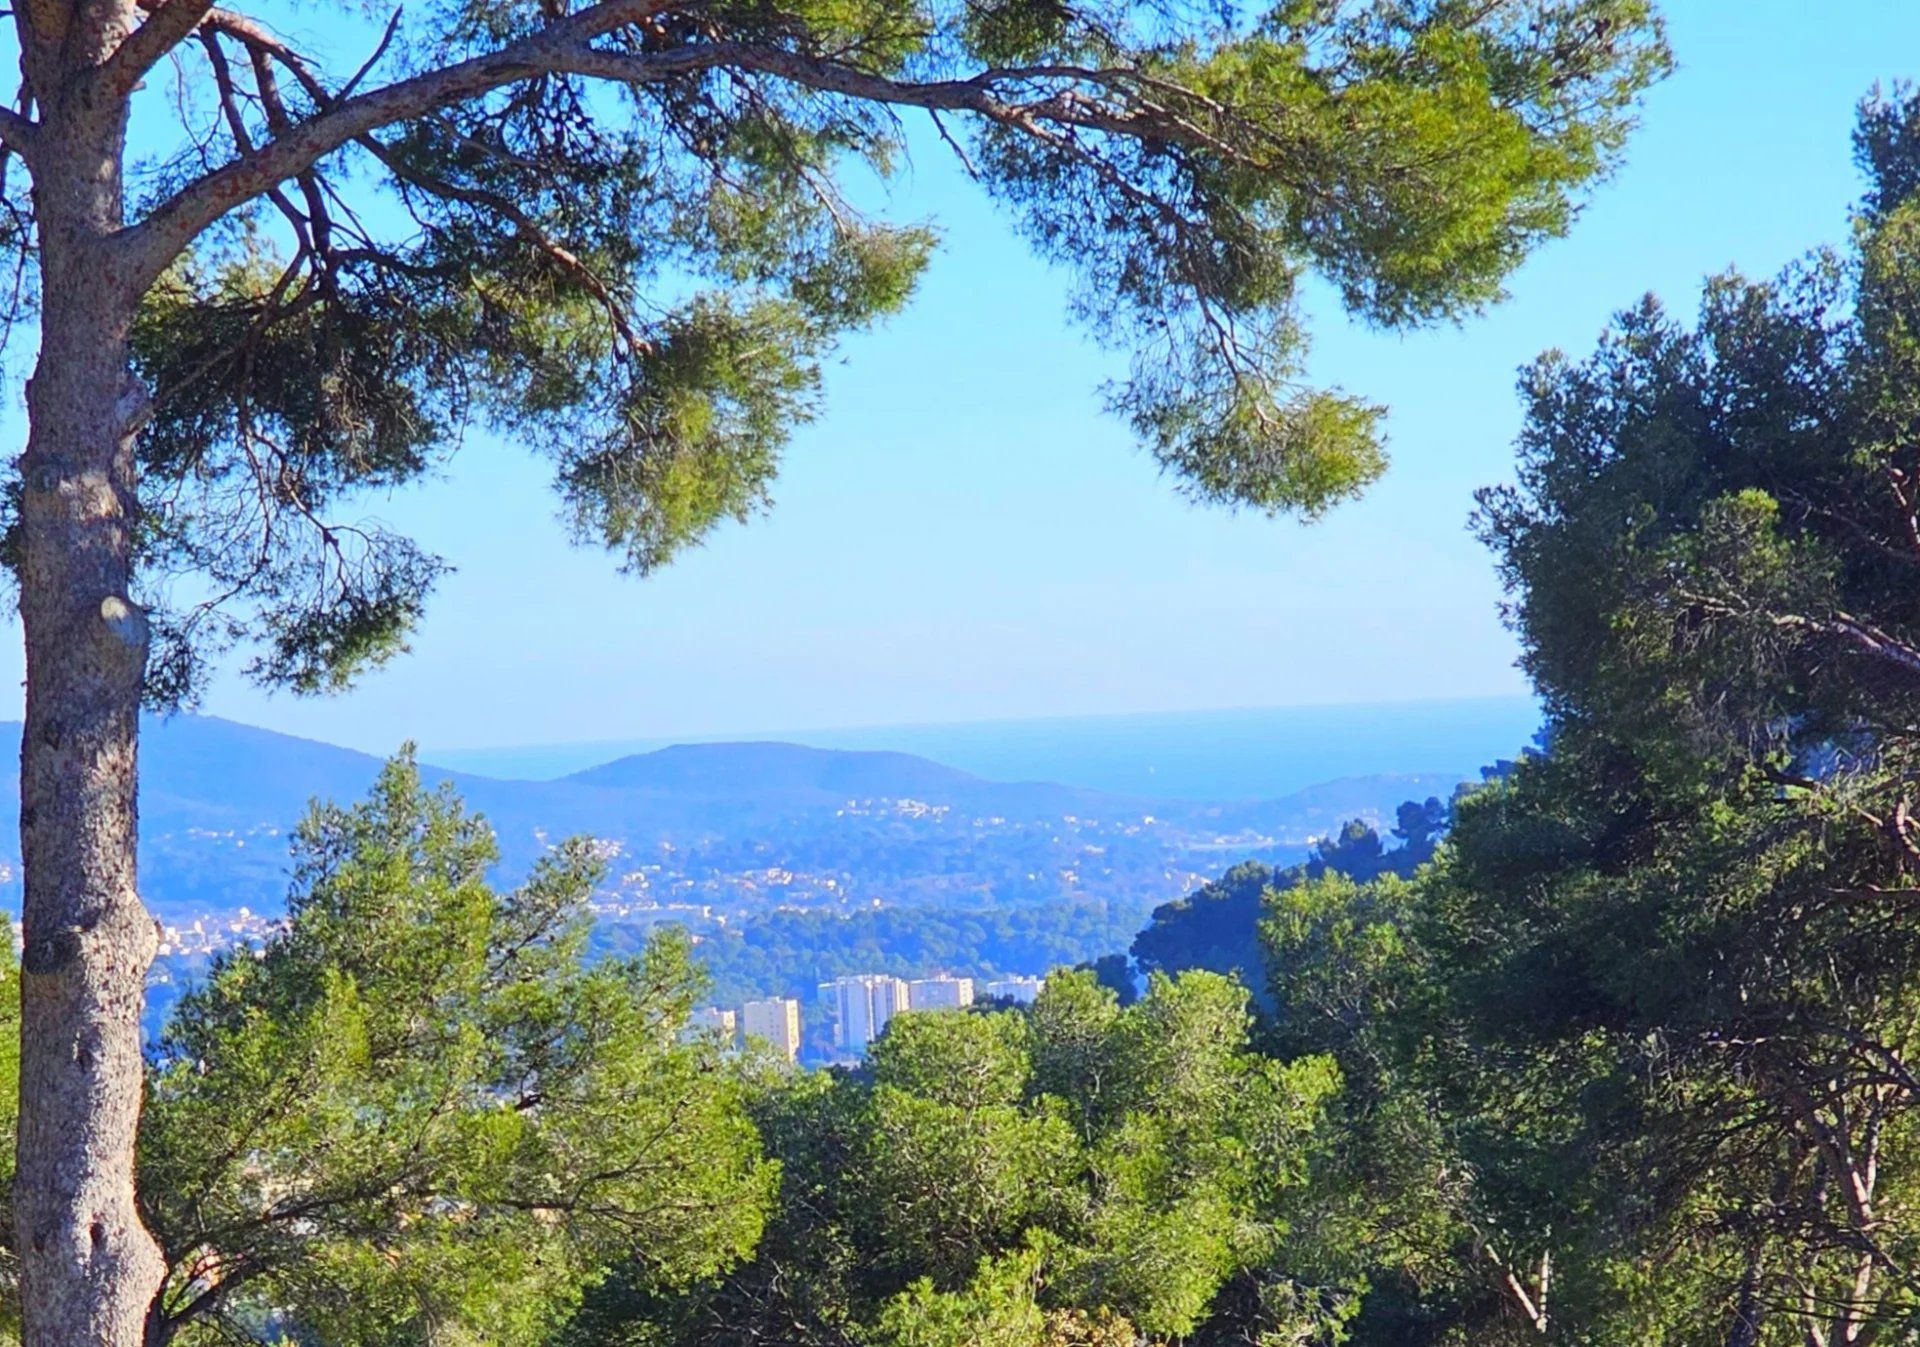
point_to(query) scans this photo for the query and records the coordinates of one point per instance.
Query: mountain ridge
(180, 762)
(1203, 754)
(714, 828)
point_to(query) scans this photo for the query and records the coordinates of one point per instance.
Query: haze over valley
(791, 863)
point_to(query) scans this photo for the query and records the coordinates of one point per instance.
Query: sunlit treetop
(1714, 535)
(622, 234)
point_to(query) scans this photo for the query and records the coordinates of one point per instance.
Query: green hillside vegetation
(1078, 1173)
(1217, 926)
(1639, 1043)
(789, 953)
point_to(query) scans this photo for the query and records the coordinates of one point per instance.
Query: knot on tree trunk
(127, 623)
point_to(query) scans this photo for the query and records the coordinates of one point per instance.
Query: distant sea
(1195, 755)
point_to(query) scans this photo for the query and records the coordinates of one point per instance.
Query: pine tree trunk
(89, 1269)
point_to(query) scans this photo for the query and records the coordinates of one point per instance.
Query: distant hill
(792, 770)
(710, 829)
(779, 776)
(1250, 754)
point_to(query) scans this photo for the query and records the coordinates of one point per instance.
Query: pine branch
(17, 132)
(566, 47)
(166, 27)
(152, 245)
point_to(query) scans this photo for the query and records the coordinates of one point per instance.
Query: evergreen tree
(1217, 926)
(1634, 1057)
(417, 1114)
(1076, 1173)
(616, 233)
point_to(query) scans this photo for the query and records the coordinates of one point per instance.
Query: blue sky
(964, 535)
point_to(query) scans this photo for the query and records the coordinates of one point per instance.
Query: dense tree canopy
(789, 953)
(416, 1114)
(1633, 1058)
(1081, 1173)
(1713, 535)
(1217, 925)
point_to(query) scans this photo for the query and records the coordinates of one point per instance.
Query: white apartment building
(1020, 991)
(777, 1020)
(940, 993)
(711, 1020)
(862, 1007)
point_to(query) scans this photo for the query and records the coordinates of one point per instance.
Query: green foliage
(1217, 926)
(998, 1307)
(1211, 927)
(1115, 972)
(975, 1060)
(635, 262)
(1632, 1056)
(1411, 154)
(1419, 823)
(1076, 1045)
(1337, 958)
(953, 1182)
(329, 601)
(1659, 1024)
(1075, 1173)
(416, 1114)
(789, 953)
(1709, 533)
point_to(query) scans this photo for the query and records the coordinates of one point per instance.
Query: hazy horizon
(1204, 753)
(746, 735)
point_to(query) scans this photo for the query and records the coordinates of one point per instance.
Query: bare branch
(256, 37)
(379, 50)
(172, 225)
(164, 28)
(18, 133)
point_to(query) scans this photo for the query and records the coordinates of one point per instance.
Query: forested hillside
(786, 865)
(735, 827)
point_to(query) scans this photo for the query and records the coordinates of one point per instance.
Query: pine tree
(240, 331)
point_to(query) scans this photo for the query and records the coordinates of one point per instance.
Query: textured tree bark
(1748, 1315)
(89, 1269)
